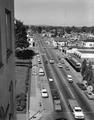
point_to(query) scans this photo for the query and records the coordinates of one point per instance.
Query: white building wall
(88, 44)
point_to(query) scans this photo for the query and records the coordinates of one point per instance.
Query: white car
(69, 77)
(78, 113)
(50, 79)
(59, 65)
(51, 61)
(44, 93)
(39, 61)
(41, 72)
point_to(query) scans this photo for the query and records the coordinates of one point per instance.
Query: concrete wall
(7, 70)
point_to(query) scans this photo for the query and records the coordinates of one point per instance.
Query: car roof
(50, 79)
(69, 75)
(77, 107)
(44, 90)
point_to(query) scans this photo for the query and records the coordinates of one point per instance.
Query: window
(0, 46)
(90, 44)
(8, 32)
(11, 100)
(0, 54)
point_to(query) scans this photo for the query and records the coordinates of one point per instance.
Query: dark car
(67, 68)
(46, 61)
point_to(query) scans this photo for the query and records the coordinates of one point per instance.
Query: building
(7, 64)
(60, 41)
(31, 42)
(89, 43)
(82, 53)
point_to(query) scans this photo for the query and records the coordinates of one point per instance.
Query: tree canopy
(21, 35)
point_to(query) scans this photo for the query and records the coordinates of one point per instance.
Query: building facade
(89, 43)
(7, 63)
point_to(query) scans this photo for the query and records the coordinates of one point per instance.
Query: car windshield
(44, 92)
(78, 110)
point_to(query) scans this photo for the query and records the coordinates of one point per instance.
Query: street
(66, 90)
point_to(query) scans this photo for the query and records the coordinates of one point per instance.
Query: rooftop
(89, 40)
(59, 39)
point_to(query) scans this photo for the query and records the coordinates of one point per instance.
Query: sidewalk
(35, 106)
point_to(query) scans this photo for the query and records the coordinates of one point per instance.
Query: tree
(90, 73)
(39, 29)
(68, 30)
(21, 35)
(83, 67)
(84, 29)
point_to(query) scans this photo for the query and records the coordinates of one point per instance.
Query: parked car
(90, 95)
(82, 86)
(59, 65)
(67, 67)
(69, 77)
(44, 93)
(39, 61)
(46, 61)
(62, 61)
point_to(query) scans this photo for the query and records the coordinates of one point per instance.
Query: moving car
(55, 94)
(69, 77)
(57, 105)
(39, 61)
(44, 93)
(50, 79)
(51, 61)
(41, 72)
(76, 109)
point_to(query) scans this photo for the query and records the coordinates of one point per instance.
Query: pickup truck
(57, 105)
(76, 109)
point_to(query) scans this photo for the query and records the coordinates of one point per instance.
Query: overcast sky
(55, 12)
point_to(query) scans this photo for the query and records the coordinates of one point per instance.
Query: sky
(55, 12)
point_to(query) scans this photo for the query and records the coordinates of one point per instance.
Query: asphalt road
(66, 89)
(62, 87)
(81, 98)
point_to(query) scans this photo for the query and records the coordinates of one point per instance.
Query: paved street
(78, 94)
(39, 107)
(43, 108)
